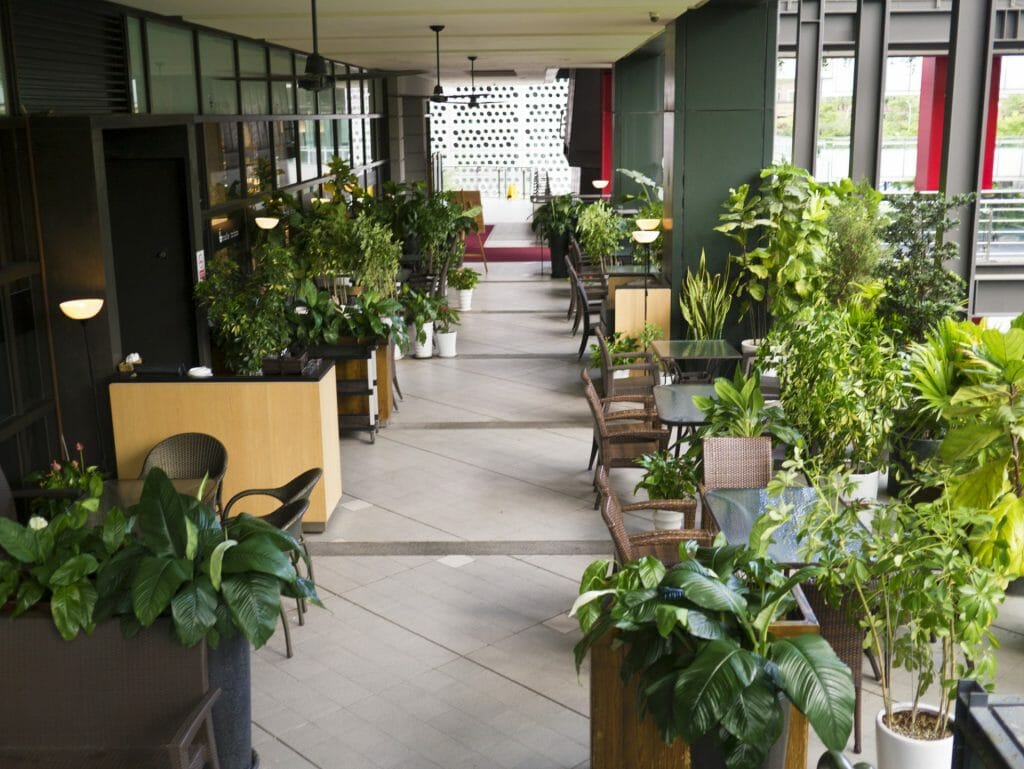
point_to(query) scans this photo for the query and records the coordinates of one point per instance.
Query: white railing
(1000, 236)
(498, 181)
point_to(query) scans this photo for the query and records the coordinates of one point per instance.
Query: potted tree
(464, 280)
(855, 245)
(702, 652)
(554, 221)
(445, 330)
(167, 556)
(667, 476)
(599, 229)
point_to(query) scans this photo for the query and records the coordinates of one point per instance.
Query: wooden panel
(629, 309)
(385, 398)
(273, 430)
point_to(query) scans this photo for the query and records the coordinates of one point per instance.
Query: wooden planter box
(619, 739)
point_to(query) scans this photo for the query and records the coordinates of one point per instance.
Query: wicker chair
(737, 463)
(190, 455)
(586, 311)
(592, 277)
(644, 375)
(622, 436)
(663, 545)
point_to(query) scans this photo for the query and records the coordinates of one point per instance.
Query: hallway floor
(449, 566)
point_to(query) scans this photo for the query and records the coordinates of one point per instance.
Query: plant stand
(356, 364)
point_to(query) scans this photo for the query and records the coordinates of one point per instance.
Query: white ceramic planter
(667, 519)
(426, 348)
(445, 344)
(865, 486)
(465, 299)
(895, 751)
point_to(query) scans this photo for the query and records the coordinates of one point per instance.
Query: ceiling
(528, 36)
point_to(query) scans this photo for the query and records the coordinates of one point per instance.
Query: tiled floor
(449, 566)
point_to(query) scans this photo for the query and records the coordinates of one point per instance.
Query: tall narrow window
(785, 91)
(309, 168)
(282, 92)
(252, 63)
(224, 179)
(900, 122)
(217, 64)
(136, 66)
(172, 69)
(835, 116)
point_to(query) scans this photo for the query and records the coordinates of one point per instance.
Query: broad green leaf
(981, 487)
(216, 562)
(1003, 347)
(819, 684)
(258, 554)
(709, 593)
(667, 617)
(254, 601)
(193, 609)
(191, 539)
(156, 581)
(701, 625)
(964, 442)
(587, 597)
(651, 572)
(595, 574)
(114, 529)
(710, 686)
(73, 569)
(71, 607)
(243, 526)
(161, 514)
(755, 718)
(18, 541)
(1013, 373)
(30, 593)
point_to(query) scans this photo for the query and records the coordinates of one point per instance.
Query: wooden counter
(273, 428)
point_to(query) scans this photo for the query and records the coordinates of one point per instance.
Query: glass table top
(736, 510)
(698, 349)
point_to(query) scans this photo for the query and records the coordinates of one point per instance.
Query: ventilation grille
(70, 57)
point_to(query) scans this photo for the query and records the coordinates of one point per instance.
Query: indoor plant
(667, 476)
(376, 268)
(599, 230)
(421, 312)
(444, 330)
(464, 280)
(704, 301)
(855, 239)
(554, 221)
(738, 410)
(699, 640)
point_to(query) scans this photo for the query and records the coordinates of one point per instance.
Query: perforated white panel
(514, 136)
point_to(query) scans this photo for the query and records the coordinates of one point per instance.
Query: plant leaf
(114, 529)
(161, 515)
(819, 684)
(19, 541)
(255, 602)
(71, 607)
(194, 611)
(756, 721)
(708, 593)
(258, 554)
(156, 581)
(74, 569)
(963, 442)
(710, 686)
(216, 562)
(982, 486)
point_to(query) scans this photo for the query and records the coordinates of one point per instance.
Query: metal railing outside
(499, 181)
(1000, 235)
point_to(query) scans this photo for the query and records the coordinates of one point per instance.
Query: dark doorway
(152, 259)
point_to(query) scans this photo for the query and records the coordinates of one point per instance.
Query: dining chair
(662, 544)
(737, 463)
(190, 455)
(641, 377)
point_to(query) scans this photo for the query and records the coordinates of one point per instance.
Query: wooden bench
(102, 701)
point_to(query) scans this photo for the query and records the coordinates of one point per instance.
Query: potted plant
(464, 280)
(421, 312)
(599, 229)
(376, 269)
(620, 342)
(705, 301)
(650, 202)
(840, 386)
(738, 410)
(916, 585)
(167, 556)
(919, 290)
(667, 476)
(554, 221)
(699, 640)
(444, 330)
(855, 244)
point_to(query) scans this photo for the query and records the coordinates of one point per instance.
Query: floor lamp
(646, 236)
(84, 310)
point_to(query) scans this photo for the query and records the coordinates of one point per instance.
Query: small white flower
(37, 522)
(301, 309)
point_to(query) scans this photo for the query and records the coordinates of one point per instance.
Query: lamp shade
(600, 184)
(81, 309)
(648, 224)
(645, 236)
(267, 222)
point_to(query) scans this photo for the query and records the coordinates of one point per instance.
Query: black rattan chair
(190, 455)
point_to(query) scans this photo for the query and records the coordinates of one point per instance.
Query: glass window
(223, 177)
(136, 65)
(172, 69)
(282, 93)
(217, 65)
(28, 339)
(286, 150)
(345, 140)
(252, 62)
(259, 171)
(306, 99)
(307, 149)
(372, 91)
(325, 96)
(372, 139)
(327, 147)
(835, 116)
(341, 90)
(785, 92)
(900, 121)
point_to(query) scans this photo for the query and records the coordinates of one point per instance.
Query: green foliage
(619, 342)
(667, 476)
(910, 579)
(556, 217)
(855, 243)
(705, 301)
(178, 560)
(698, 637)
(70, 474)
(919, 290)
(600, 229)
(447, 318)
(376, 269)
(839, 381)
(420, 309)
(248, 306)
(369, 316)
(738, 409)
(463, 279)
(788, 220)
(1011, 115)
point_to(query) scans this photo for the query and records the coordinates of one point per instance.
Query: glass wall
(785, 91)
(172, 69)
(835, 115)
(900, 122)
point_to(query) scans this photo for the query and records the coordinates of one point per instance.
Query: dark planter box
(288, 365)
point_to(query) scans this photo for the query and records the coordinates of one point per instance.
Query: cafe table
(675, 354)
(736, 510)
(676, 408)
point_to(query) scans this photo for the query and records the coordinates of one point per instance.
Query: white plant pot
(620, 375)
(667, 519)
(465, 299)
(426, 349)
(865, 486)
(445, 344)
(895, 751)
(750, 346)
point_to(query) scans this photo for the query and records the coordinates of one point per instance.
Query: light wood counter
(273, 428)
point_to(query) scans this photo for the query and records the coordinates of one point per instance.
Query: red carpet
(502, 253)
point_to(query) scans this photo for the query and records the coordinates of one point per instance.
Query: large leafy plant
(705, 301)
(855, 243)
(600, 229)
(555, 218)
(667, 476)
(738, 409)
(699, 640)
(167, 555)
